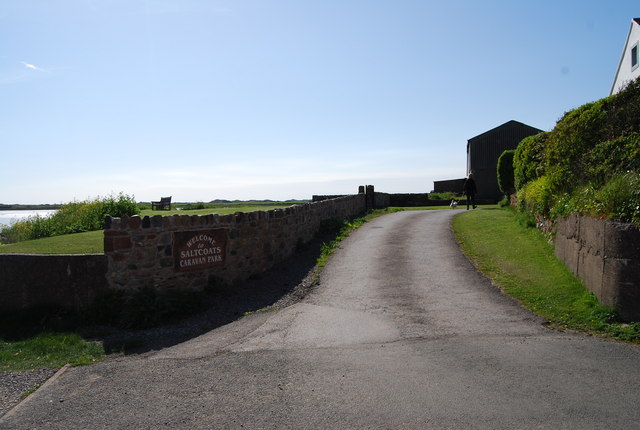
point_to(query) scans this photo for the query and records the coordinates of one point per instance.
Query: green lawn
(521, 262)
(79, 243)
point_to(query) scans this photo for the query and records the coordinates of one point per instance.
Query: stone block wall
(69, 282)
(142, 251)
(605, 255)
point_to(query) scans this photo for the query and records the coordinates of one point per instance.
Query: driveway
(401, 333)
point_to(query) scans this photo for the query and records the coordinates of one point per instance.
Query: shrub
(617, 199)
(528, 159)
(588, 163)
(612, 158)
(74, 217)
(194, 206)
(505, 172)
(536, 196)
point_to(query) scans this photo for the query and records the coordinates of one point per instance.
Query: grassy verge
(522, 263)
(48, 350)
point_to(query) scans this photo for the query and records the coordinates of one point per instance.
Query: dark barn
(484, 150)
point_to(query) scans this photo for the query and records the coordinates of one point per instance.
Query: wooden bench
(164, 203)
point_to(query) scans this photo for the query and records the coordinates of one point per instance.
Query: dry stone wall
(605, 255)
(191, 251)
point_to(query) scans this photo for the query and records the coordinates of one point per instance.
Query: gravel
(14, 384)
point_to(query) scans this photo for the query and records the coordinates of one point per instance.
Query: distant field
(92, 242)
(218, 208)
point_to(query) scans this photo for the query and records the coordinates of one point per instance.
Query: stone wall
(605, 255)
(191, 251)
(69, 282)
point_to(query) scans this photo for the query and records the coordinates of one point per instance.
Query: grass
(521, 262)
(90, 242)
(48, 350)
(220, 209)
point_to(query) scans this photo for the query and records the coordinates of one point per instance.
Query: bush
(528, 160)
(194, 206)
(505, 172)
(536, 196)
(589, 163)
(617, 199)
(74, 217)
(612, 158)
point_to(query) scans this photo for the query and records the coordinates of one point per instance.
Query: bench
(164, 203)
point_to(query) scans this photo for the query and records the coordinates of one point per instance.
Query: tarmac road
(401, 333)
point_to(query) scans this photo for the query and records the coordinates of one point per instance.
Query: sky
(281, 99)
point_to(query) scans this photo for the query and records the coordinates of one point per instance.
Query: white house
(628, 69)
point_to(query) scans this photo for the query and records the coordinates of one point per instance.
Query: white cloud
(32, 66)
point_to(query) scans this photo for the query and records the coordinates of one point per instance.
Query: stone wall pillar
(370, 197)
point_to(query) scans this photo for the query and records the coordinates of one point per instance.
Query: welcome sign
(197, 250)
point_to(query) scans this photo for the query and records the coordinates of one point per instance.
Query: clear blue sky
(281, 99)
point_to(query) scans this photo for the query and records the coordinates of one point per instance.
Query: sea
(8, 217)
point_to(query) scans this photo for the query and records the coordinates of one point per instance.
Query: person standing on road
(470, 190)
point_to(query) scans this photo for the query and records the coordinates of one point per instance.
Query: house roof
(624, 48)
(512, 122)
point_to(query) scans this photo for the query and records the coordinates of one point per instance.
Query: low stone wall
(605, 255)
(69, 282)
(191, 251)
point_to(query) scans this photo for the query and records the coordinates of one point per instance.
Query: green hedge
(588, 163)
(505, 172)
(528, 160)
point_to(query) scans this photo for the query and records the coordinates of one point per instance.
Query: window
(634, 57)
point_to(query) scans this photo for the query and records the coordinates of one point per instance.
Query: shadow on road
(280, 286)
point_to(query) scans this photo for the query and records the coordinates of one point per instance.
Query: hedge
(587, 162)
(505, 172)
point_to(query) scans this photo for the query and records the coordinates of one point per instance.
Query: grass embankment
(522, 263)
(92, 242)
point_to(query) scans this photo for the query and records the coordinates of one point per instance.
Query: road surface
(401, 333)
